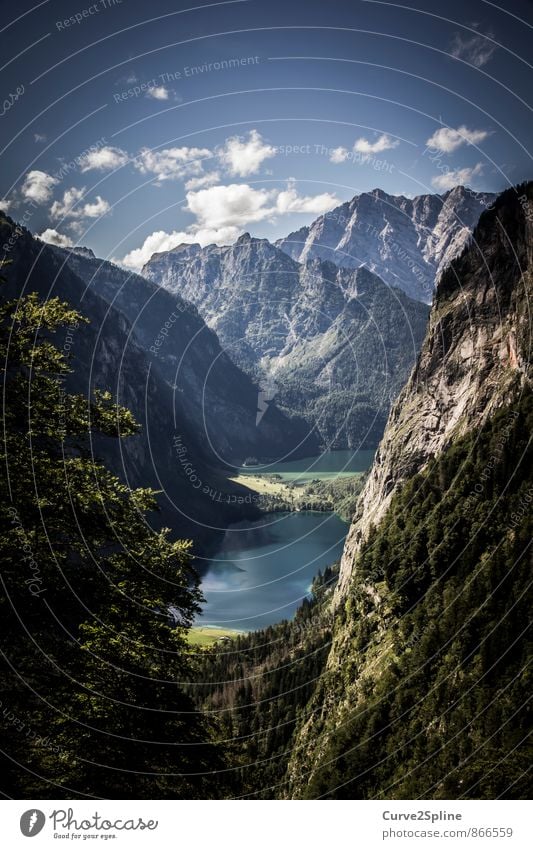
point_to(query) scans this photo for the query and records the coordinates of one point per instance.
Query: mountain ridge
(406, 241)
(112, 353)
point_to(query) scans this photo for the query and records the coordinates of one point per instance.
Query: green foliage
(95, 605)
(339, 494)
(435, 646)
(259, 684)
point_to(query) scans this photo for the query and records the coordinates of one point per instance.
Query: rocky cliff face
(474, 360)
(331, 344)
(407, 242)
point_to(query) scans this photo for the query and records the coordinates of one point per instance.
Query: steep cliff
(474, 358)
(424, 691)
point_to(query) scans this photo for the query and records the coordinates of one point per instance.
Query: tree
(95, 605)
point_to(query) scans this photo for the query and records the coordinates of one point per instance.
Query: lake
(326, 465)
(264, 568)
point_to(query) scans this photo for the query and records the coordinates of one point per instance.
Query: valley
(263, 569)
(266, 455)
(242, 532)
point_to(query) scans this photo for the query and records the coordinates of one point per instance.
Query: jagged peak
(380, 193)
(80, 250)
(247, 239)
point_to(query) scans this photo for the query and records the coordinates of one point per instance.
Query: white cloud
(96, 209)
(70, 206)
(238, 205)
(243, 157)
(39, 138)
(338, 155)
(475, 49)
(65, 208)
(172, 163)
(104, 159)
(5, 205)
(457, 177)
(158, 92)
(290, 201)
(162, 241)
(235, 205)
(52, 237)
(202, 182)
(447, 139)
(384, 142)
(38, 186)
(223, 212)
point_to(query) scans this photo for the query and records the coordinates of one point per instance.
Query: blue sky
(131, 126)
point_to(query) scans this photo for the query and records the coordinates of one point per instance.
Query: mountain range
(244, 351)
(406, 678)
(329, 320)
(331, 345)
(196, 408)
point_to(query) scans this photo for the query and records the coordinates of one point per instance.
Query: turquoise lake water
(328, 464)
(264, 568)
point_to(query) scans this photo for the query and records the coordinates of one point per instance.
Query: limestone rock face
(474, 359)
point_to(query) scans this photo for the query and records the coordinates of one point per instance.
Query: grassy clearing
(264, 484)
(207, 636)
(254, 480)
(307, 477)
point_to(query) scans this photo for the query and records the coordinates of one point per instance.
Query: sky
(130, 127)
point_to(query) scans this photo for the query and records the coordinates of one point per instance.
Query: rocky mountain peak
(406, 242)
(311, 324)
(82, 251)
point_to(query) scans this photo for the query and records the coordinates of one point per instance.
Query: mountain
(411, 679)
(197, 410)
(332, 345)
(408, 242)
(213, 394)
